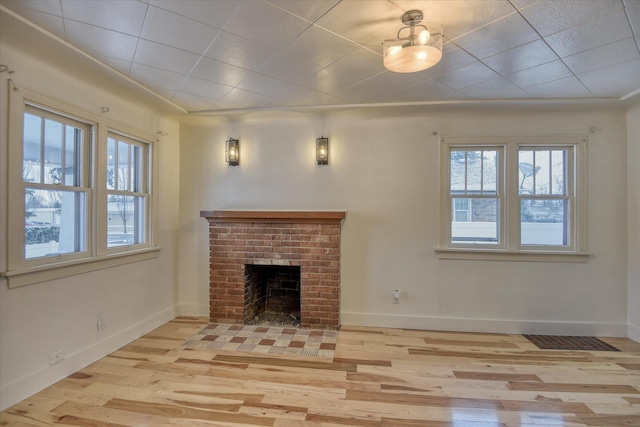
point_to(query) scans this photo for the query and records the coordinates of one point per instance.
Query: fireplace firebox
(271, 289)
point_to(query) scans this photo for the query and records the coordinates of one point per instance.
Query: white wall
(38, 319)
(633, 150)
(384, 172)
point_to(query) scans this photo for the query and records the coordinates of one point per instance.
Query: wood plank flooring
(377, 378)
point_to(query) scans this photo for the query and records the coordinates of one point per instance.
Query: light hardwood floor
(378, 377)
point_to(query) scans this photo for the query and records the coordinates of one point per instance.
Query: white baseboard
(39, 380)
(194, 310)
(633, 332)
(533, 327)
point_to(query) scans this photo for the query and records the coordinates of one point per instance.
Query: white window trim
(21, 272)
(509, 248)
(46, 272)
(19, 242)
(150, 167)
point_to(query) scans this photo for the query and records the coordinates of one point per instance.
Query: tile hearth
(267, 340)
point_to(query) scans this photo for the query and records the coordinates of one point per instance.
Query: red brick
(313, 247)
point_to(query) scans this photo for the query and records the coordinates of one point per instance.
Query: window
(80, 191)
(513, 195)
(127, 190)
(462, 210)
(546, 196)
(55, 180)
(473, 186)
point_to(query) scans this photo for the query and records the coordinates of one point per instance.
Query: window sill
(503, 255)
(43, 273)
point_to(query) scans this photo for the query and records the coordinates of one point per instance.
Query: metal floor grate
(553, 342)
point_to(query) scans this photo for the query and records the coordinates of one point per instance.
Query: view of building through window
(475, 196)
(543, 191)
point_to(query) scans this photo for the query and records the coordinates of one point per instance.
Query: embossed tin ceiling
(243, 54)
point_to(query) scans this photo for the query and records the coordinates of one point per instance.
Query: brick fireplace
(308, 240)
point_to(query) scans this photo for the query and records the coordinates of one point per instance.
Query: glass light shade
(232, 152)
(322, 151)
(414, 53)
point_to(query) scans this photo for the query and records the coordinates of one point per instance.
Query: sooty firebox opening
(271, 289)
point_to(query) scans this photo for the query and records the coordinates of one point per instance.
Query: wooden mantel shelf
(307, 217)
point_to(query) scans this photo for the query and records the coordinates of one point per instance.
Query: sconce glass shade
(421, 48)
(322, 151)
(232, 152)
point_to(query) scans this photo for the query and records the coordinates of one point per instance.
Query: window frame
(510, 247)
(570, 196)
(88, 147)
(19, 270)
(145, 177)
(499, 196)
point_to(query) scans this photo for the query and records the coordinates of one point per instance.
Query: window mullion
(100, 205)
(482, 172)
(129, 150)
(63, 149)
(466, 171)
(511, 196)
(126, 193)
(116, 166)
(81, 177)
(42, 146)
(550, 172)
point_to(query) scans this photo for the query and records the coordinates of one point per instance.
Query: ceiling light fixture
(419, 50)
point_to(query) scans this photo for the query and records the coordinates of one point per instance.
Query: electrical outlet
(56, 357)
(101, 323)
(396, 297)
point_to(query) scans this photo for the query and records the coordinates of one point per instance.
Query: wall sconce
(232, 152)
(322, 151)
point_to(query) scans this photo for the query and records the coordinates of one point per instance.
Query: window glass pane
(458, 171)
(31, 171)
(141, 214)
(544, 222)
(53, 134)
(541, 177)
(123, 166)
(111, 164)
(490, 172)
(558, 172)
(474, 171)
(71, 171)
(31, 148)
(60, 143)
(54, 222)
(543, 172)
(125, 220)
(135, 168)
(482, 225)
(527, 171)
